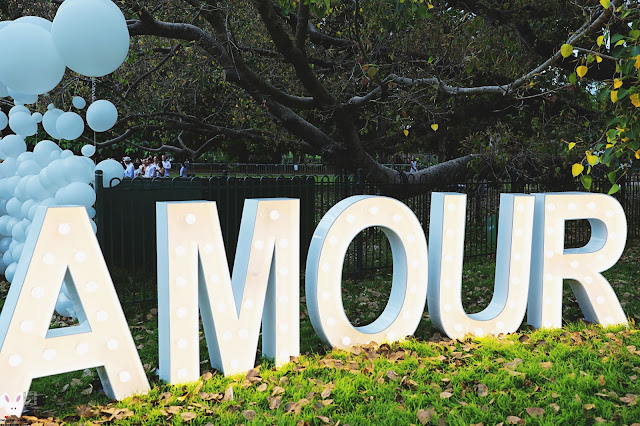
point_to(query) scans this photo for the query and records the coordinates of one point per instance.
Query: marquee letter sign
(193, 277)
(61, 244)
(329, 244)
(446, 242)
(551, 262)
(192, 271)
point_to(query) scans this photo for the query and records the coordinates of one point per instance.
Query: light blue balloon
(14, 207)
(4, 120)
(22, 98)
(42, 151)
(92, 36)
(13, 145)
(112, 172)
(70, 126)
(101, 115)
(19, 108)
(79, 102)
(31, 62)
(78, 170)
(11, 269)
(28, 168)
(49, 121)
(76, 194)
(35, 20)
(17, 251)
(36, 117)
(22, 124)
(88, 150)
(4, 243)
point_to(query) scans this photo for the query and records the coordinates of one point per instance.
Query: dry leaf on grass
(482, 389)
(250, 415)
(445, 395)
(514, 420)
(425, 416)
(535, 411)
(188, 416)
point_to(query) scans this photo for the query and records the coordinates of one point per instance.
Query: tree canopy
(507, 86)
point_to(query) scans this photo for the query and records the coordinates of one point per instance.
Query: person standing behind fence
(166, 164)
(151, 170)
(414, 165)
(130, 170)
(183, 169)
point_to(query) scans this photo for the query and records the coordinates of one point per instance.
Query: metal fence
(125, 215)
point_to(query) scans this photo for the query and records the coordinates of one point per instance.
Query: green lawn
(583, 374)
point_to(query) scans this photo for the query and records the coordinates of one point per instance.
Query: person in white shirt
(166, 164)
(130, 170)
(150, 171)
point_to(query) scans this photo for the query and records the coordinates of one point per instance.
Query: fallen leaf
(250, 415)
(325, 393)
(228, 394)
(555, 407)
(535, 411)
(425, 416)
(324, 419)
(589, 406)
(445, 395)
(482, 389)
(277, 391)
(601, 380)
(274, 402)
(514, 420)
(262, 387)
(546, 365)
(87, 411)
(392, 375)
(188, 416)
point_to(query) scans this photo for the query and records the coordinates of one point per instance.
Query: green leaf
(615, 188)
(572, 78)
(586, 182)
(612, 177)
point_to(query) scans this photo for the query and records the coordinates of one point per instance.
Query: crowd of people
(152, 167)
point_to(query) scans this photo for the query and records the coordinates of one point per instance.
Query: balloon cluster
(88, 36)
(91, 38)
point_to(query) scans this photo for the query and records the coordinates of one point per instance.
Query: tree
(347, 79)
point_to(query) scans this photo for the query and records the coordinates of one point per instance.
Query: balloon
(101, 115)
(55, 155)
(78, 170)
(29, 167)
(13, 145)
(90, 211)
(14, 207)
(19, 108)
(111, 170)
(4, 120)
(66, 154)
(22, 98)
(76, 194)
(10, 224)
(4, 243)
(35, 20)
(19, 233)
(64, 306)
(35, 191)
(32, 64)
(42, 151)
(69, 126)
(3, 206)
(79, 102)
(17, 251)
(91, 36)
(88, 150)
(36, 117)
(49, 121)
(22, 124)
(3, 88)
(50, 107)
(7, 186)
(10, 271)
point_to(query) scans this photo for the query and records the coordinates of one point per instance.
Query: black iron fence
(125, 214)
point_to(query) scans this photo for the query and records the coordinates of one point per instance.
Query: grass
(582, 374)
